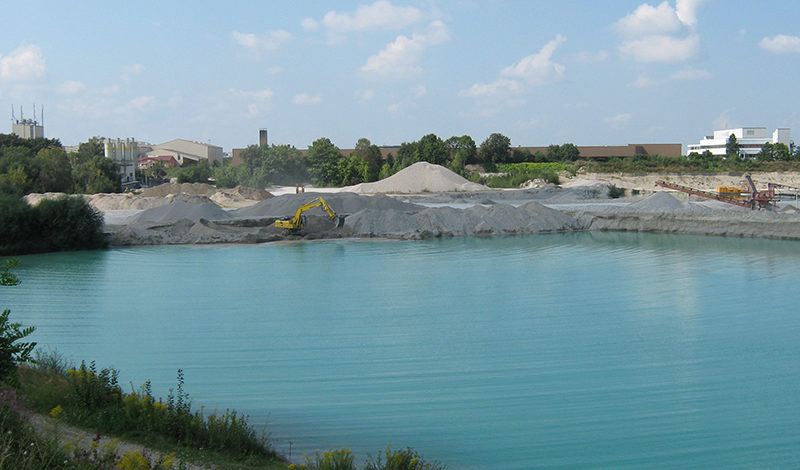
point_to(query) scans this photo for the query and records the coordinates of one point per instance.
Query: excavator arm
(297, 222)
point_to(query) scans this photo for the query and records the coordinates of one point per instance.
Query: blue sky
(590, 72)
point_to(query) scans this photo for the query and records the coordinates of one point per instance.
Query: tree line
(324, 164)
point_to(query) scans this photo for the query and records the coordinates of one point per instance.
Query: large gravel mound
(342, 203)
(417, 178)
(195, 189)
(179, 210)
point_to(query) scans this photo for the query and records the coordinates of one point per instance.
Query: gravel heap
(417, 178)
(342, 203)
(180, 210)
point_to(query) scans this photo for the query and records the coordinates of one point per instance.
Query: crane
(297, 222)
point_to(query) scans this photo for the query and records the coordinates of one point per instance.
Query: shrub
(66, 223)
(614, 192)
(403, 459)
(333, 459)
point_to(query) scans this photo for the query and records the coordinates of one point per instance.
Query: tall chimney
(262, 137)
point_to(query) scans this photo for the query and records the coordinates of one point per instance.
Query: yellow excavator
(297, 222)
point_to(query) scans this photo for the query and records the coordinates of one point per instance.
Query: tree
(322, 160)
(569, 152)
(462, 147)
(371, 155)
(97, 174)
(732, 147)
(12, 350)
(495, 149)
(53, 171)
(433, 150)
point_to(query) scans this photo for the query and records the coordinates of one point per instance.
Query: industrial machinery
(749, 197)
(297, 222)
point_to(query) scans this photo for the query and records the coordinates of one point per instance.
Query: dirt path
(71, 436)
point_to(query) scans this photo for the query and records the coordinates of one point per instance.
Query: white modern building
(188, 151)
(750, 140)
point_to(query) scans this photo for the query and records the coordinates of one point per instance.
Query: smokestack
(262, 137)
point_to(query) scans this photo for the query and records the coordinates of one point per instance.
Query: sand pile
(417, 178)
(180, 210)
(196, 189)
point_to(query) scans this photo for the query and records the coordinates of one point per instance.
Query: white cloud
(419, 91)
(260, 95)
(499, 88)
(260, 43)
(71, 87)
(619, 118)
(662, 33)
(306, 99)
(687, 11)
(647, 19)
(23, 63)
(592, 57)
(400, 58)
(662, 48)
(643, 81)
(380, 15)
(691, 74)
(724, 120)
(538, 69)
(781, 44)
(252, 110)
(128, 70)
(309, 24)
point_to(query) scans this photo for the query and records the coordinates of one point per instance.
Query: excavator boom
(297, 222)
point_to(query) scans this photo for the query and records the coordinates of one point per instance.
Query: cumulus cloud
(662, 48)
(23, 63)
(400, 58)
(538, 68)
(686, 10)
(306, 99)
(261, 43)
(534, 70)
(691, 74)
(380, 15)
(661, 33)
(647, 19)
(781, 44)
(142, 102)
(71, 87)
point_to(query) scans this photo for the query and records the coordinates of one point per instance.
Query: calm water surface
(557, 351)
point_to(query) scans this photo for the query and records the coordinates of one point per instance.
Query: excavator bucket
(340, 221)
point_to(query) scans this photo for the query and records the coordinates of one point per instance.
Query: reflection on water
(566, 350)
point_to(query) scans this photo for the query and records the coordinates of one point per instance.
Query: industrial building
(750, 140)
(188, 151)
(124, 153)
(27, 128)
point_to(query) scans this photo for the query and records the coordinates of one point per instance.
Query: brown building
(604, 152)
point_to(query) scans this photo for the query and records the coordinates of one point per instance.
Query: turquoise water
(589, 350)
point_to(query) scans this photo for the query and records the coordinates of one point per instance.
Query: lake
(581, 350)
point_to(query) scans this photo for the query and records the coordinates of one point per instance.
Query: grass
(92, 399)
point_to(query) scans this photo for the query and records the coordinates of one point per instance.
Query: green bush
(403, 459)
(66, 223)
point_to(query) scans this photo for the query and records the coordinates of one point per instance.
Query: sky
(589, 72)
